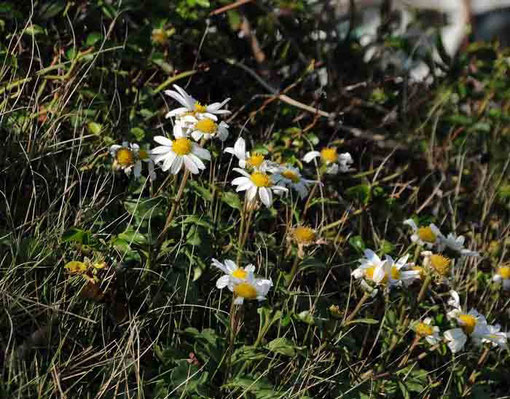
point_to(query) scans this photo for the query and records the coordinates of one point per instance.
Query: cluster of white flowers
(387, 272)
(473, 325)
(242, 281)
(430, 236)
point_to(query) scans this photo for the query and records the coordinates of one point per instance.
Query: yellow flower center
(304, 235)
(369, 273)
(423, 330)
(240, 274)
(395, 273)
(124, 156)
(261, 179)
(468, 323)
(207, 126)
(255, 160)
(329, 155)
(441, 264)
(426, 234)
(143, 155)
(182, 146)
(291, 175)
(245, 290)
(504, 272)
(200, 108)
(76, 267)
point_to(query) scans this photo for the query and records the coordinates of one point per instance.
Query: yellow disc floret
(441, 264)
(329, 154)
(423, 329)
(182, 146)
(426, 234)
(291, 175)
(261, 179)
(240, 274)
(255, 160)
(395, 273)
(124, 157)
(206, 126)
(304, 235)
(245, 290)
(504, 272)
(199, 108)
(420, 270)
(467, 322)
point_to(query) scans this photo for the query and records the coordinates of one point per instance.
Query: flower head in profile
(471, 324)
(425, 329)
(191, 107)
(438, 263)
(426, 235)
(502, 275)
(129, 156)
(247, 160)
(333, 161)
(242, 282)
(493, 336)
(456, 244)
(232, 272)
(290, 177)
(371, 268)
(400, 272)
(173, 154)
(304, 236)
(257, 184)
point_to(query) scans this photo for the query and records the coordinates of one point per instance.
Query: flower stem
(175, 204)
(424, 287)
(357, 308)
(293, 271)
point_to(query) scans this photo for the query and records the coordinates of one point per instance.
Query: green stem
(175, 205)
(363, 299)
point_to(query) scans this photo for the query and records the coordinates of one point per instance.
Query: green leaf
(146, 208)
(76, 235)
(283, 346)
(357, 243)
(94, 128)
(93, 38)
(133, 237)
(232, 200)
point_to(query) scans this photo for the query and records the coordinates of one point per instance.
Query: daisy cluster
(193, 125)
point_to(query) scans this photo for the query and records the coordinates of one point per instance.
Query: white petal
(309, 156)
(190, 165)
(222, 282)
(176, 166)
(169, 161)
(264, 196)
(251, 193)
(201, 152)
(163, 140)
(162, 149)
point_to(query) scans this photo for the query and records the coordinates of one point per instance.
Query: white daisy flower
(242, 282)
(254, 160)
(207, 128)
(334, 162)
(233, 273)
(456, 244)
(425, 236)
(128, 157)
(181, 151)
(191, 107)
(472, 324)
(428, 331)
(493, 336)
(371, 268)
(398, 273)
(289, 176)
(502, 276)
(259, 184)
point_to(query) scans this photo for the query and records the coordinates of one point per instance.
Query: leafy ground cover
(117, 280)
